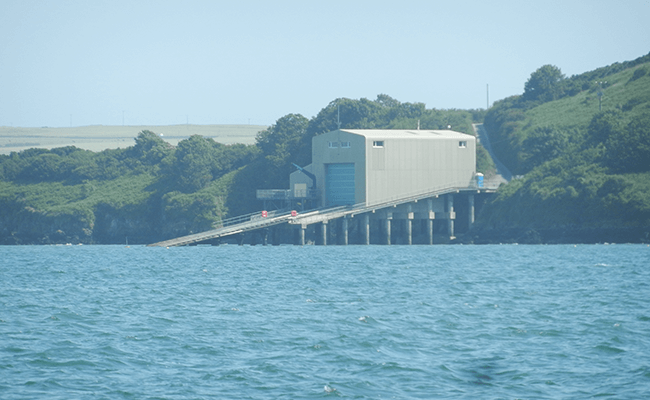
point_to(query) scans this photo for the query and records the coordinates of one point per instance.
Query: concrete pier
(451, 215)
(366, 228)
(388, 229)
(470, 212)
(430, 218)
(324, 232)
(359, 224)
(303, 228)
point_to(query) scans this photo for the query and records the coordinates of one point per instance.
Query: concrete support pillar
(324, 232)
(451, 215)
(409, 224)
(344, 231)
(388, 231)
(470, 212)
(303, 228)
(366, 228)
(265, 236)
(409, 231)
(430, 221)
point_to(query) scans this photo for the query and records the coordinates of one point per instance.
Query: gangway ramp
(232, 226)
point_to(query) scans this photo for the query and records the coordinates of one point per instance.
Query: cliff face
(134, 224)
(29, 226)
(95, 218)
(104, 224)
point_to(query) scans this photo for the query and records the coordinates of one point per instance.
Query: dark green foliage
(504, 121)
(193, 163)
(639, 73)
(545, 84)
(283, 141)
(484, 163)
(629, 150)
(38, 165)
(604, 125)
(571, 192)
(544, 144)
(388, 113)
(72, 195)
(150, 149)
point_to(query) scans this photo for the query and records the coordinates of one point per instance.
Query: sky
(136, 62)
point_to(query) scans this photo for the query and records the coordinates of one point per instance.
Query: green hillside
(582, 145)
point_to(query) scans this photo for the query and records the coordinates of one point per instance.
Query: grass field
(99, 137)
(621, 93)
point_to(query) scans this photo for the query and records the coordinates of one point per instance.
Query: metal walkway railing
(230, 226)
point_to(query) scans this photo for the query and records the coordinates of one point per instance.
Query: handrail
(363, 207)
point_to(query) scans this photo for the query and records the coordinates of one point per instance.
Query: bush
(639, 73)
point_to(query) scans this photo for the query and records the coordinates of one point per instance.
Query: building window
(462, 144)
(378, 144)
(333, 145)
(345, 145)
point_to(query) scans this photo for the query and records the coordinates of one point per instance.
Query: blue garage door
(339, 184)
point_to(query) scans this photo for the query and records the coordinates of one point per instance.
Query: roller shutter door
(339, 184)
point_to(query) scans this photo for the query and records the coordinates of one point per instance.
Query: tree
(545, 84)
(352, 114)
(194, 159)
(280, 142)
(150, 148)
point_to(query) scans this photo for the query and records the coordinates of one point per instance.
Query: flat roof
(407, 134)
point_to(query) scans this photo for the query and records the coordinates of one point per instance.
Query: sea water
(290, 322)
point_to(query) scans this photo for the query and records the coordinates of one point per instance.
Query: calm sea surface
(376, 322)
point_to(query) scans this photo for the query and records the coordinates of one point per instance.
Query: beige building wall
(409, 167)
(407, 163)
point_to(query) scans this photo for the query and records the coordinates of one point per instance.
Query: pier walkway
(257, 220)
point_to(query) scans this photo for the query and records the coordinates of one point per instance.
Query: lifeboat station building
(381, 176)
(367, 186)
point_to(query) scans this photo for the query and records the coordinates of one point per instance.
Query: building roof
(407, 134)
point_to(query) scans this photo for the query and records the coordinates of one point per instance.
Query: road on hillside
(503, 173)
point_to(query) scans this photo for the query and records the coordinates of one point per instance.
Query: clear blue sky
(93, 62)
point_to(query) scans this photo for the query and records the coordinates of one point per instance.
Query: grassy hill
(585, 171)
(99, 137)
(624, 86)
